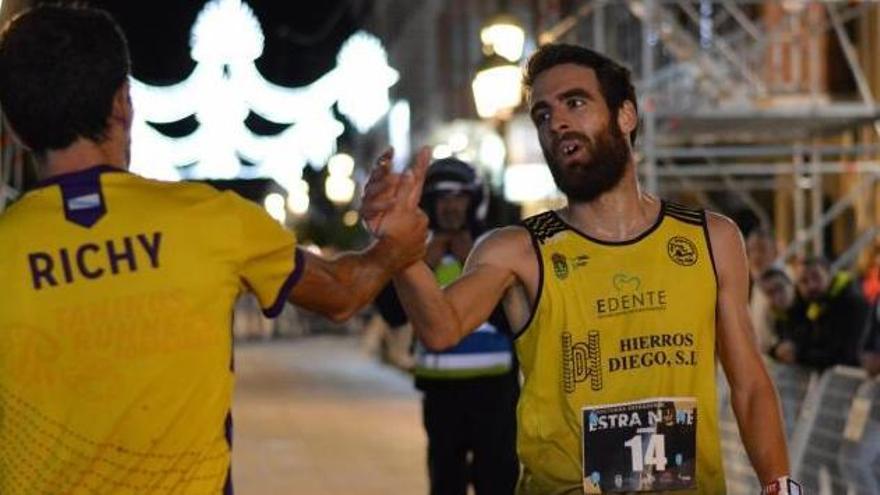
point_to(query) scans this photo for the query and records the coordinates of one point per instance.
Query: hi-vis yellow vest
(618, 361)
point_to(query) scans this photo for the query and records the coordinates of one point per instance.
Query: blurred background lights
(339, 190)
(398, 132)
(504, 36)
(458, 142)
(340, 164)
(339, 186)
(497, 87)
(350, 218)
(441, 151)
(298, 198)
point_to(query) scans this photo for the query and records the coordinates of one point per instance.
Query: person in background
(761, 252)
(835, 314)
(781, 295)
(471, 389)
(869, 349)
(871, 278)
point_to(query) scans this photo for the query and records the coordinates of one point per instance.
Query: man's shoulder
(181, 195)
(503, 246)
(508, 237)
(723, 232)
(183, 189)
(720, 222)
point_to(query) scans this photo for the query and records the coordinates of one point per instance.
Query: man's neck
(81, 155)
(619, 214)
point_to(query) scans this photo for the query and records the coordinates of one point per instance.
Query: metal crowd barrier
(793, 384)
(835, 448)
(832, 424)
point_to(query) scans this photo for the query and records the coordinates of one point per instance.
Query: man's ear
(627, 117)
(123, 110)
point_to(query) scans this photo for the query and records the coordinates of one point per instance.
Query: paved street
(315, 416)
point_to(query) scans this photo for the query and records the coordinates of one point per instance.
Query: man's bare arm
(753, 396)
(336, 288)
(442, 317)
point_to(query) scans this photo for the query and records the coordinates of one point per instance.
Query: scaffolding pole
(649, 39)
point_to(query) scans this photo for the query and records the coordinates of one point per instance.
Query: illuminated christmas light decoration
(225, 86)
(274, 204)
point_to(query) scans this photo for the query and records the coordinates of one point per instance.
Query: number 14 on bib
(640, 446)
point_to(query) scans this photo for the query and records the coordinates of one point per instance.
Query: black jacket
(833, 326)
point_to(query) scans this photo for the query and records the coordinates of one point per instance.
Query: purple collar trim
(81, 194)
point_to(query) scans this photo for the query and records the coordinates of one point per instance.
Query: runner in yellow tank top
(621, 323)
(622, 301)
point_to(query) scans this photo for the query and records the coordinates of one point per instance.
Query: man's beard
(602, 169)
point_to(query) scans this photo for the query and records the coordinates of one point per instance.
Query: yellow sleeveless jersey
(618, 362)
(115, 331)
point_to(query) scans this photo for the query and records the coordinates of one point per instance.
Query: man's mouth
(569, 147)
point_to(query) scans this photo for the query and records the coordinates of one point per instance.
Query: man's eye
(541, 117)
(576, 102)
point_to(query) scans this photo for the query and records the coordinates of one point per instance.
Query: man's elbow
(438, 341)
(339, 310)
(344, 311)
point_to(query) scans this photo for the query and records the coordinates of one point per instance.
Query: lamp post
(497, 84)
(497, 90)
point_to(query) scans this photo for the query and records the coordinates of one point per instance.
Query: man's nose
(559, 123)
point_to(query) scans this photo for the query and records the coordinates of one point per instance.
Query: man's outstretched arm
(442, 317)
(753, 396)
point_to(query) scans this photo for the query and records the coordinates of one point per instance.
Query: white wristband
(782, 486)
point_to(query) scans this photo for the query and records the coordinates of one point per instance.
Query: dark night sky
(302, 37)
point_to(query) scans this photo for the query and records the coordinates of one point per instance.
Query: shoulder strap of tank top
(544, 225)
(693, 216)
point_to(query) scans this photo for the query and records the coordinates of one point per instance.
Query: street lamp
(504, 35)
(497, 87)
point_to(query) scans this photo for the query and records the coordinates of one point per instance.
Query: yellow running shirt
(618, 362)
(115, 331)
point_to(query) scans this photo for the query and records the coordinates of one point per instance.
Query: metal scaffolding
(736, 98)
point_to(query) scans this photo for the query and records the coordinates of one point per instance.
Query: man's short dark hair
(775, 273)
(60, 67)
(817, 262)
(615, 80)
(762, 232)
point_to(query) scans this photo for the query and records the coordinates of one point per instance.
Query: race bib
(641, 446)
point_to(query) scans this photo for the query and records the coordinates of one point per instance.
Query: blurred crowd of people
(810, 314)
